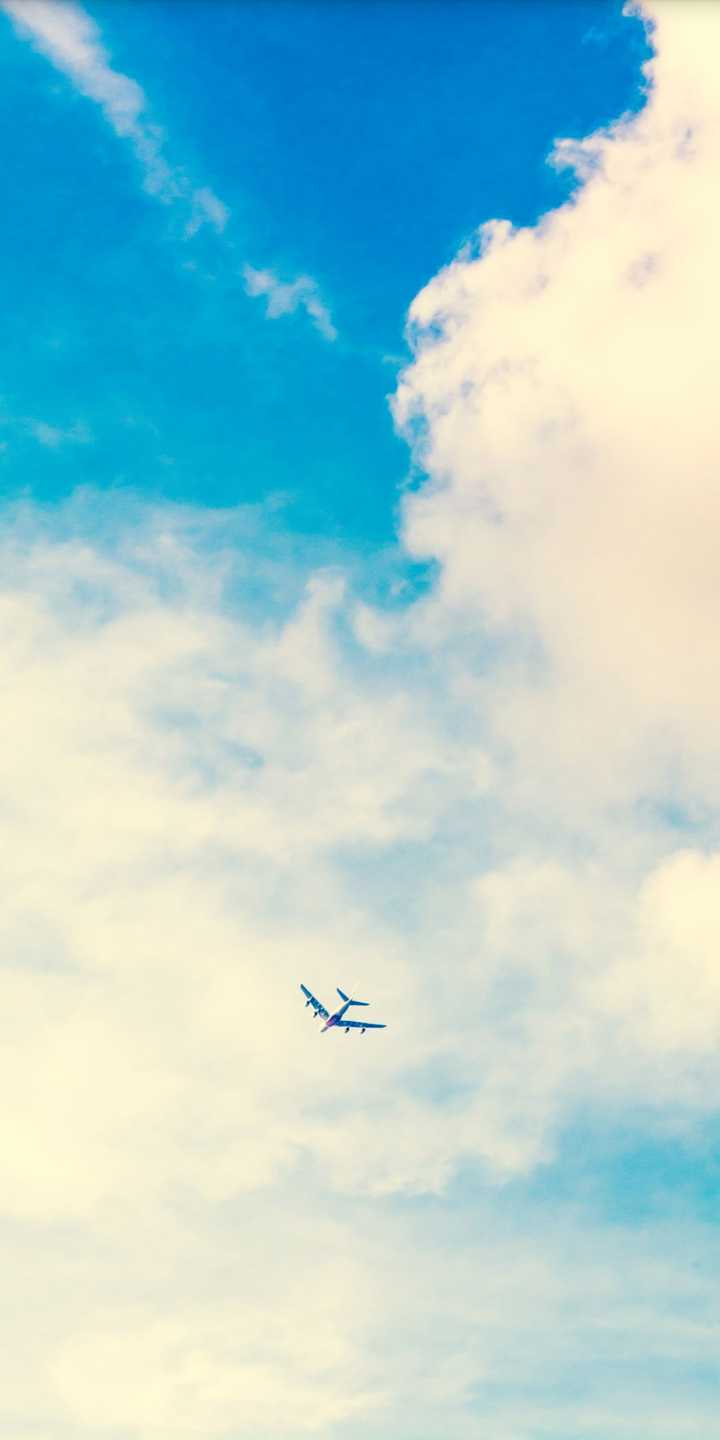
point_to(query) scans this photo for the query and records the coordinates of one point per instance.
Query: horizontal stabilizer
(347, 999)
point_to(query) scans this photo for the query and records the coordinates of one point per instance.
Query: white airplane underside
(338, 1018)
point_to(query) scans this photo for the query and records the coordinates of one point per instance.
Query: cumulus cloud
(562, 401)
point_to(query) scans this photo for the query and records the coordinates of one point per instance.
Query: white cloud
(665, 986)
(268, 1321)
(563, 386)
(207, 1369)
(184, 785)
(169, 761)
(70, 39)
(181, 779)
(52, 437)
(206, 206)
(285, 298)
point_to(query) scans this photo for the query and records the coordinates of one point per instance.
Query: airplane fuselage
(335, 1019)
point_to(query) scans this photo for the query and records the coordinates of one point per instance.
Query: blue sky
(358, 441)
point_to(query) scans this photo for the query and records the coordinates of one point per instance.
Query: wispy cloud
(69, 37)
(283, 298)
(52, 436)
(49, 436)
(572, 505)
(206, 206)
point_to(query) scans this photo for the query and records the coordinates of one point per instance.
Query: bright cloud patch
(564, 380)
(190, 788)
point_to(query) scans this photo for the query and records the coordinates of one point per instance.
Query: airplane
(339, 1017)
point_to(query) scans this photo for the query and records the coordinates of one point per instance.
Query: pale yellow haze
(177, 784)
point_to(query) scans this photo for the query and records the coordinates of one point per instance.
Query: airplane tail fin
(347, 999)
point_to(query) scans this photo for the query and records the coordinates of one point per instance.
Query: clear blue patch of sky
(358, 142)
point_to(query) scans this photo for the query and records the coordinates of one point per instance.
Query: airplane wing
(360, 1025)
(317, 1007)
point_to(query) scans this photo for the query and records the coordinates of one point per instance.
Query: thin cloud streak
(70, 39)
(284, 298)
(67, 36)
